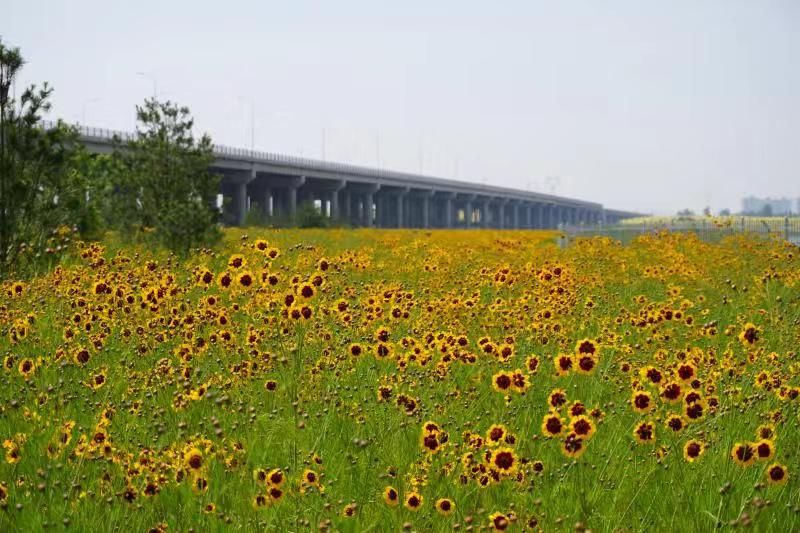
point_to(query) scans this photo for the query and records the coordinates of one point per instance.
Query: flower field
(353, 380)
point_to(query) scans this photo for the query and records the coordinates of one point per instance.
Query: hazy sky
(640, 105)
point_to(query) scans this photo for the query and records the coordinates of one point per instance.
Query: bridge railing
(222, 151)
(97, 133)
(313, 164)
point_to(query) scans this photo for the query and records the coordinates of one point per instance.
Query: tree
(308, 216)
(166, 185)
(38, 191)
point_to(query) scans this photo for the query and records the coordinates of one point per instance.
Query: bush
(308, 216)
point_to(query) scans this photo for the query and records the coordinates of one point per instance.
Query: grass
(450, 291)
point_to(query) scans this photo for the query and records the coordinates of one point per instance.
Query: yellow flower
(390, 496)
(193, 459)
(445, 506)
(743, 453)
(749, 335)
(777, 474)
(413, 501)
(693, 449)
(13, 452)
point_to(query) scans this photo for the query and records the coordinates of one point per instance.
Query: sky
(640, 105)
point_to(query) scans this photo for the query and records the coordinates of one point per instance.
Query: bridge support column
(468, 213)
(401, 196)
(426, 210)
(485, 214)
(501, 214)
(368, 200)
(240, 202)
(369, 206)
(334, 214)
(515, 214)
(358, 215)
(385, 208)
(292, 199)
(347, 208)
(335, 200)
(448, 211)
(240, 196)
(380, 212)
(292, 196)
(266, 202)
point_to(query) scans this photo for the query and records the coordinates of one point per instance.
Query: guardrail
(105, 135)
(711, 230)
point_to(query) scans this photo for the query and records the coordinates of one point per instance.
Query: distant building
(767, 206)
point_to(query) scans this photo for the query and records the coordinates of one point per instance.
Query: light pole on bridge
(252, 121)
(84, 106)
(152, 78)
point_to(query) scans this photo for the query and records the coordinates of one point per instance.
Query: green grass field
(286, 380)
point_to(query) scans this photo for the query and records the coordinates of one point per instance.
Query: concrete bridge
(276, 184)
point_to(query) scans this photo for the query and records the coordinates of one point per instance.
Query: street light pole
(83, 109)
(151, 78)
(252, 121)
(378, 148)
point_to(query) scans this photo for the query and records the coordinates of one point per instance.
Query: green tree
(92, 214)
(39, 192)
(308, 216)
(166, 185)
